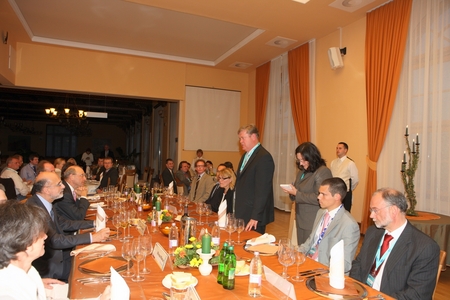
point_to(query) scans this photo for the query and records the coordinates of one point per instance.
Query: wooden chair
(442, 256)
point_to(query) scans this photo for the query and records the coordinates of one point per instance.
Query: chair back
(10, 188)
(442, 256)
(146, 172)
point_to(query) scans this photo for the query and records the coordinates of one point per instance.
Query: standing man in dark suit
(73, 205)
(56, 262)
(168, 176)
(396, 258)
(107, 153)
(109, 176)
(254, 191)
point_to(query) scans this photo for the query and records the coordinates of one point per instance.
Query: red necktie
(385, 245)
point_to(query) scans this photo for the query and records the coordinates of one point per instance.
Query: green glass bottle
(229, 269)
(222, 255)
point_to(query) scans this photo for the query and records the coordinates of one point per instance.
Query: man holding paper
(332, 224)
(396, 258)
(56, 262)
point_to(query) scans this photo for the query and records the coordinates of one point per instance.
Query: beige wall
(341, 102)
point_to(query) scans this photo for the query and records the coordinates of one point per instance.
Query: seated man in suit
(184, 176)
(96, 170)
(332, 224)
(56, 262)
(168, 176)
(202, 183)
(396, 258)
(73, 205)
(109, 176)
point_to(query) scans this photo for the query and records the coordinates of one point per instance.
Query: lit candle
(206, 243)
(414, 147)
(403, 167)
(404, 156)
(406, 130)
(417, 139)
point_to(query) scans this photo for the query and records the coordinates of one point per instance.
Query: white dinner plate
(167, 281)
(242, 273)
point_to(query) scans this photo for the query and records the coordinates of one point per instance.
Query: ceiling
(234, 35)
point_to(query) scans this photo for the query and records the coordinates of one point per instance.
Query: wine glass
(131, 215)
(138, 254)
(240, 226)
(116, 223)
(286, 257)
(127, 248)
(200, 210)
(300, 258)
(123, 223)
(148, 247)
(230, 227)
(180, 200)
(208, 212)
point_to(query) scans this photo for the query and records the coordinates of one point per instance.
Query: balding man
(44, 166)
(396, 258)
(73, 205)
(56, 262)
(12, 165)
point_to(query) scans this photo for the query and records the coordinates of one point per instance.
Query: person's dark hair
(249, 129)
(32, 156)
(20, 225)
(343, 144)
(209, 162)
(169, 159)
(199, 150)
(311, 154)
(336, 186)
(181, 164)
(39, 185)
(229, 165)
(65, 168)
(88, 149)
(200, 160)
(41, 166)
(107, 158)
(393, 197)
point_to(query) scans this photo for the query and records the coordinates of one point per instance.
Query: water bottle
(154, 222)
(229, 269)
(215, 234)
(222, 255)
(254, 280)
(173, 239)
(166, 203)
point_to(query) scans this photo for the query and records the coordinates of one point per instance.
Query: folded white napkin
(93, 197)
(222, 214)
(100, 220)
(119, 288)
(285, 287)
(337, 279)
(97, 204)
(263, 239)
(94, 248)
(58, 292)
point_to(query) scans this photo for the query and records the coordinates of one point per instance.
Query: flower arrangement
(164, 216)
(187, 254)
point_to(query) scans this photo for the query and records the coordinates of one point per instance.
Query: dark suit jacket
(110, 154)
(254, 188)
(216, 198)
(112, 175)
(411, 268)
(167, 178)
(70, 209)
(56, 261)
(185, 180)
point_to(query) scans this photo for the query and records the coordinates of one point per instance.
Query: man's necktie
(244, 162)
(196, 187)
(74, 196)
(384, 248)
(52, 215)
(326, 219)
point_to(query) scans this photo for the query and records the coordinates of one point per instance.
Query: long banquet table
(207, 287)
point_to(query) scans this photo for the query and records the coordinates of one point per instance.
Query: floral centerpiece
(165, 216)
(187, 255)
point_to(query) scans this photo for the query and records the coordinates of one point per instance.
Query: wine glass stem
(124, 234)
(145, 264)
(296, 274)
(138, 267)
(128, 267)
(284, 272)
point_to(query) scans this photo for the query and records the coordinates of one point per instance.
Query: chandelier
(55, 114)
(75, 120)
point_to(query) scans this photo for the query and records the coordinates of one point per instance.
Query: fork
(96, 254)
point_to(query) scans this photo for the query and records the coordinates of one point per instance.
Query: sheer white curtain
(423, 103)
(279, 132)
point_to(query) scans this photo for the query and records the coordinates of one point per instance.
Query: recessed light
(301, 1)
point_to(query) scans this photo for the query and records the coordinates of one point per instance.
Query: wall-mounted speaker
(334, 54)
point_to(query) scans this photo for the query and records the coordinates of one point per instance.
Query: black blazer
(216, 198)
(254, 188)
(56, 261)
(411, 268)
(110, 154)
(112, 175)
(167, 178)
(70, 209)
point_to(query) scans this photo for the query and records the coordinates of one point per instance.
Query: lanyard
(379, 260)
(321, 235)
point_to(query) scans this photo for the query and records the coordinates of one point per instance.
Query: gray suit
(411, 268)
(306, 201)
(203, 189)
(342, 227)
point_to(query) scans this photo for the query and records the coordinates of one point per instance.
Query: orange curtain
(386, 33)
(261, 94)
(298, 64)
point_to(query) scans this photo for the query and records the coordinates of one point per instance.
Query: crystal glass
(300, 258)
(123, 223)
(286, 257)
(116, 223)
(230, 227)
(148, 247)
(208, 212)
(127, 248)
(200, 209)
(131, 215)
(240, 226)
(138, 253)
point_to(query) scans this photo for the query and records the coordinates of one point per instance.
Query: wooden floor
(279, 228)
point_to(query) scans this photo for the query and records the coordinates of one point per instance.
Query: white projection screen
(211, 119)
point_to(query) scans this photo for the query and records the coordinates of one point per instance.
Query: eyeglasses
(223, 178)
(377, 210)
(200, 166)
(58, 184)
(82, 175)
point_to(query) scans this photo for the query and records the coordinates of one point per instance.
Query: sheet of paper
(160, 255)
